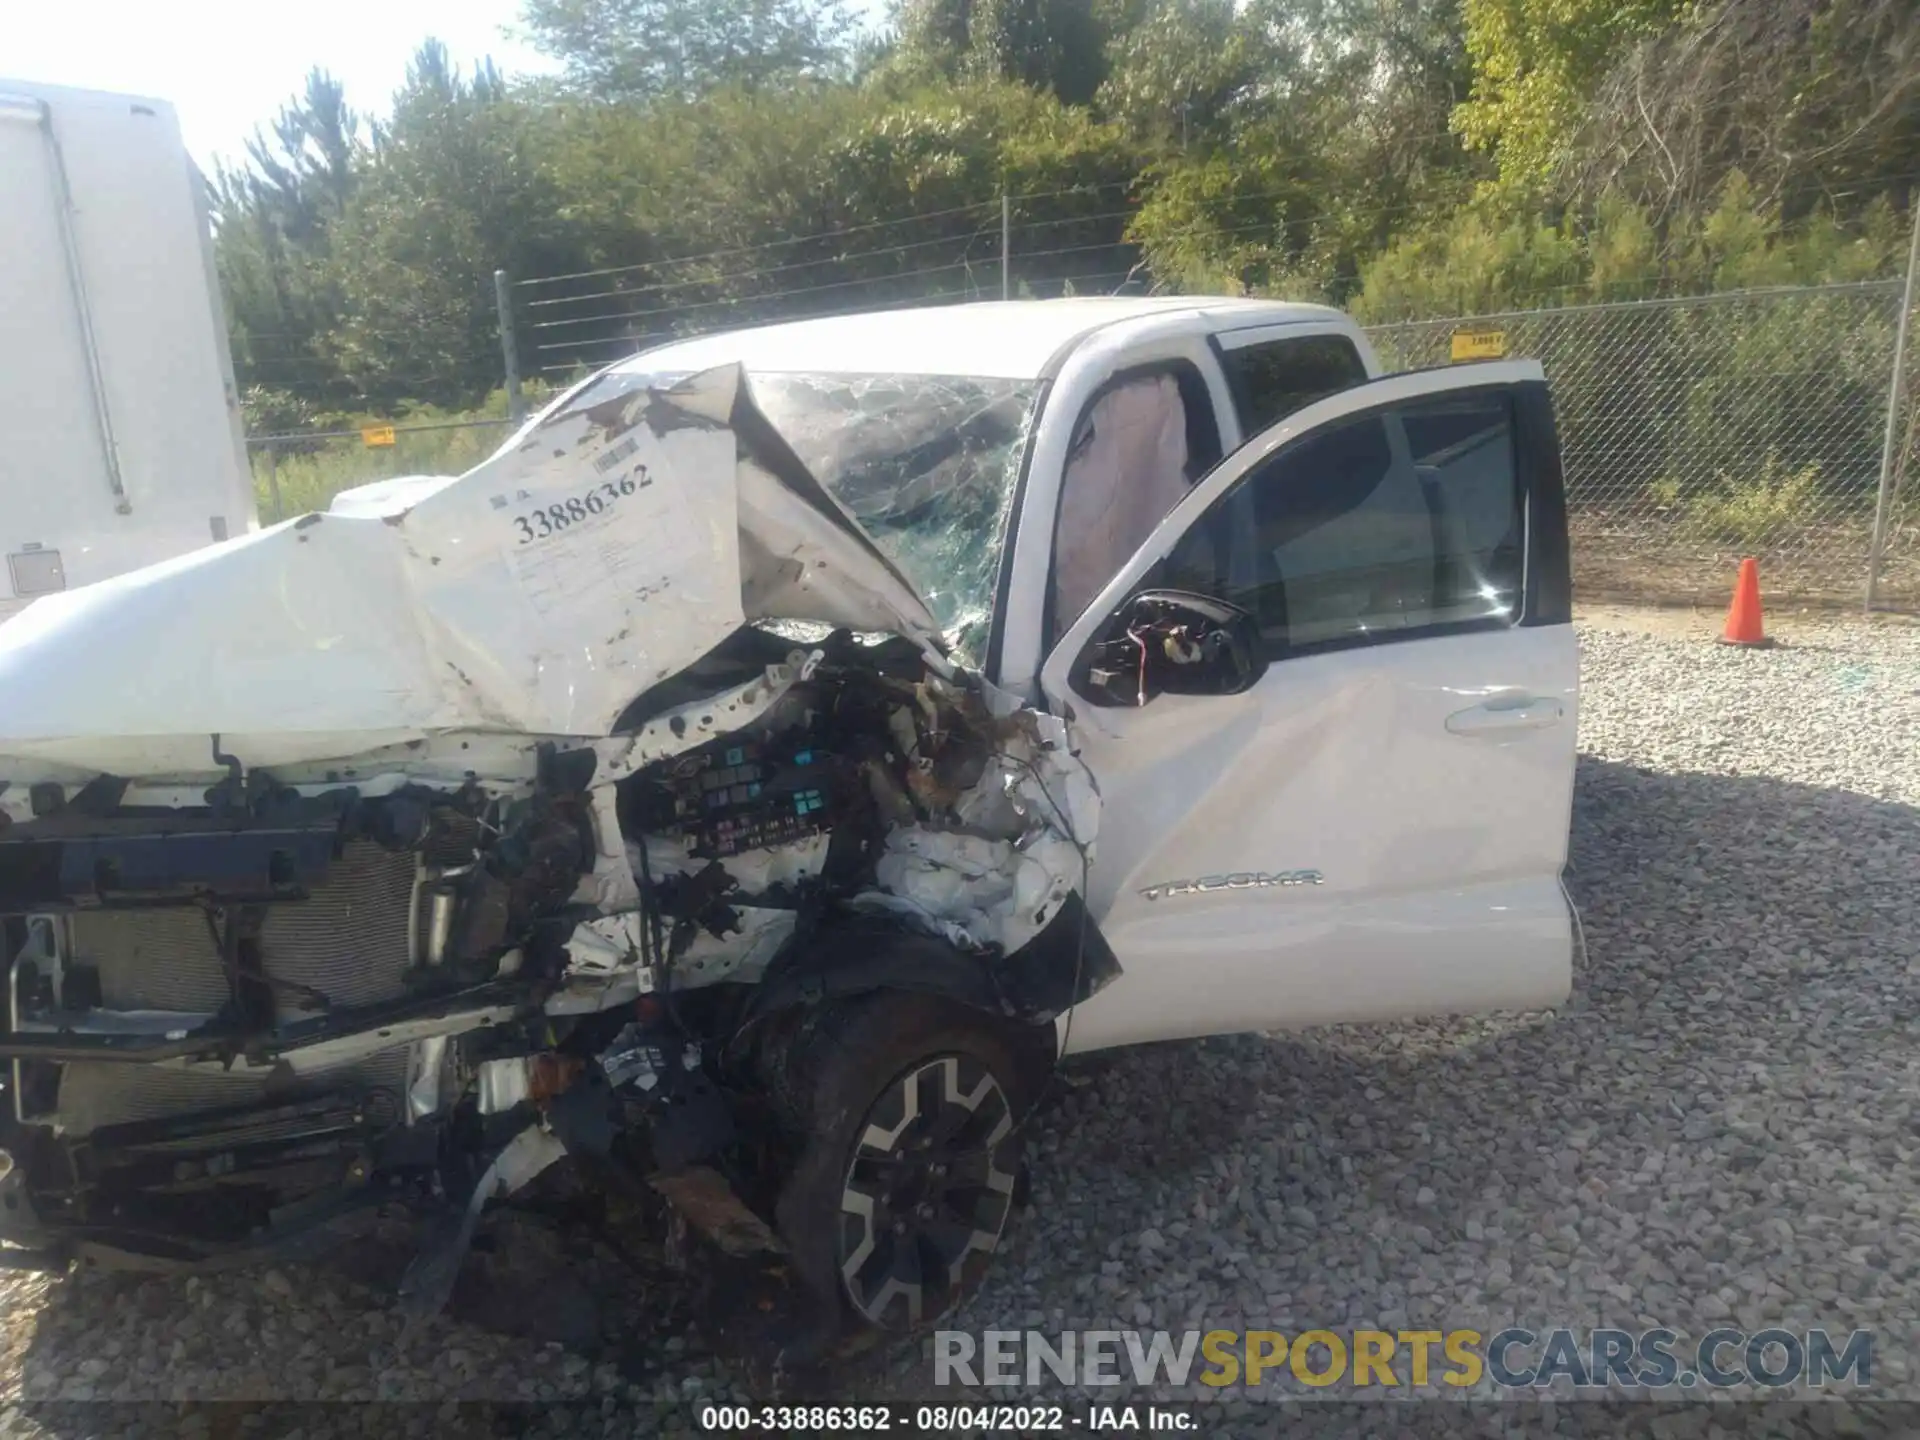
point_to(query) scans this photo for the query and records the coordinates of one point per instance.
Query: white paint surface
(1440, 846)
(596, 553)
(1005, 339)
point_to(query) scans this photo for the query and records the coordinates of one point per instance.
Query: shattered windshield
(926, 463)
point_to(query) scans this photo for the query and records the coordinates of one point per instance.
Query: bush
(1753, 513)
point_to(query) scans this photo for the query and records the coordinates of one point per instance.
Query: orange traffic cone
(1743, 616)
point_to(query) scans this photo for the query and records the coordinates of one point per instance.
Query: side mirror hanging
(1171, 642)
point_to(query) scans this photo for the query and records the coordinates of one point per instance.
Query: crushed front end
(263, 988)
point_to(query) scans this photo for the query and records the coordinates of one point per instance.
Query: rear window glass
(1274, 378)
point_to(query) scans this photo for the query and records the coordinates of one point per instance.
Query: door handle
(1495, 716)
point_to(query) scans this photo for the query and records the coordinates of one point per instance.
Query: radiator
(349, 941)
(161, 959)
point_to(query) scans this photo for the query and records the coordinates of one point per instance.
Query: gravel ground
(1721, 1127)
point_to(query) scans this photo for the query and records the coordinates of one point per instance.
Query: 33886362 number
(544, 520)
(797, 1419)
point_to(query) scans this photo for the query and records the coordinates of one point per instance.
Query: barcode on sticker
(618, 453)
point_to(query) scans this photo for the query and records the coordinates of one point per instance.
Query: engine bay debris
(486, 823)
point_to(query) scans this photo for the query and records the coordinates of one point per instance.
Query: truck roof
(1010, 339)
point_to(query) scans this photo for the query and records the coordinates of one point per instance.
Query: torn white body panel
(388, 497)
(606, 548)
(741, 956)
(1031, 820)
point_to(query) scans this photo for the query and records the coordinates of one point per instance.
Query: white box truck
(121, 440)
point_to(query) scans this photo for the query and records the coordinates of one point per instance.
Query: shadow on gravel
(1732, 923)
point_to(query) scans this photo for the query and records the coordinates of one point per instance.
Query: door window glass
(1397, 520)
(1273, 379)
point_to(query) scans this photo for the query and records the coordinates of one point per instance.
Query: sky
(228, 65)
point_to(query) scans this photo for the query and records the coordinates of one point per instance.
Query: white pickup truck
(707, 786)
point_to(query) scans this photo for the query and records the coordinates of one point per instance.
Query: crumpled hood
(615, 539)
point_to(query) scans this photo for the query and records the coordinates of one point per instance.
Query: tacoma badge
(1239, 880)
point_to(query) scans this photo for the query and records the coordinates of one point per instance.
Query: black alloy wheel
(927, 1191)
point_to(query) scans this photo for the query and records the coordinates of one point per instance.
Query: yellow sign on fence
(377, 435)
(1479, 344)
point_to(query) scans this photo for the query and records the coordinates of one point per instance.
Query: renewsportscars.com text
(1514, 1358)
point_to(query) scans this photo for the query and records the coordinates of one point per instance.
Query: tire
(907, 1175)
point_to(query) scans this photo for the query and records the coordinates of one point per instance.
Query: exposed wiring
(1140, 641)
(655, 953)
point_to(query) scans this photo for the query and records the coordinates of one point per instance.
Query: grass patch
(1749, 513)
(307, 474)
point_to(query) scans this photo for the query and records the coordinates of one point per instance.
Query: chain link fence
(1695, 432)
(1699, 431)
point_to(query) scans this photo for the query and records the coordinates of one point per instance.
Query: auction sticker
(613, 531)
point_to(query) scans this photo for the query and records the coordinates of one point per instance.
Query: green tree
(1298, 138)
(1051, 45)
(1491, 257)
(749, 206)
(637, 50)
(1815, 102)
(1536, 64)
(455, 187)
(1188, 71)
(273, 217)
(302, 173)
(704, 166)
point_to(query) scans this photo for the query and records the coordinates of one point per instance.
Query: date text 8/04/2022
(943, 1419)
